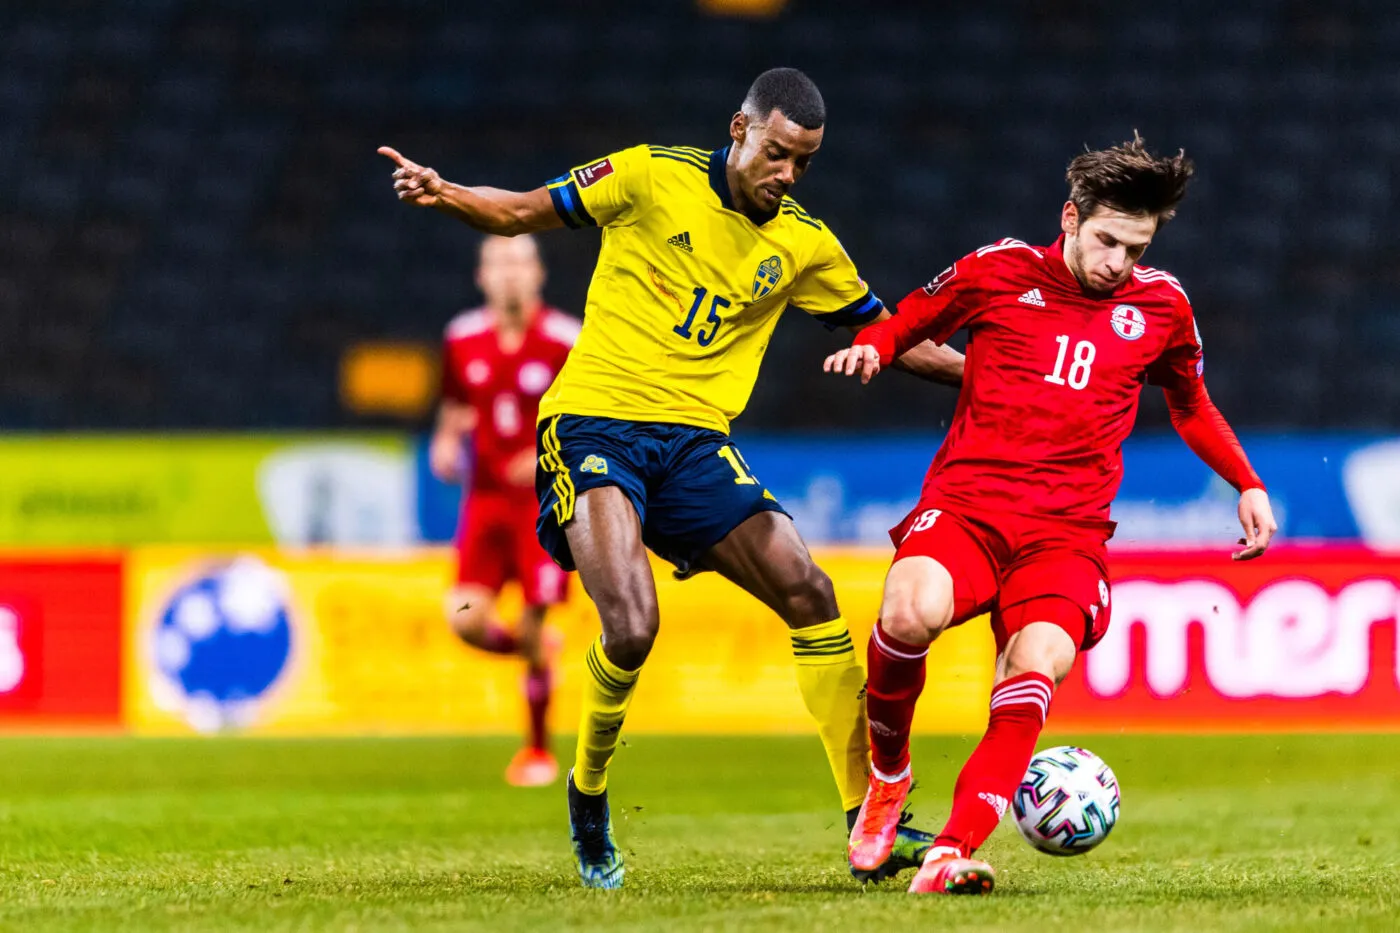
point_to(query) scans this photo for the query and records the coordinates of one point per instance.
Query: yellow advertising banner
(313, 642)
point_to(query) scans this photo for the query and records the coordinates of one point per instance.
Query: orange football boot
(872, 838)
(945, 871)
(532, 767)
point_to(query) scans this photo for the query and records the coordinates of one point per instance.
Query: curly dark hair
(1130, 179)
(791, 93)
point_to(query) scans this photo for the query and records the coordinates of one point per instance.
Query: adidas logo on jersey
(682, 241)
(1032, 297)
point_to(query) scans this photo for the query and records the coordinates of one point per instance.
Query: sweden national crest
(769, 273)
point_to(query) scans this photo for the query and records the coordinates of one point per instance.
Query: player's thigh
(542, 581)
(605, 539)
(483, 555)
(591, 488)
(1064, 588)
(705, 494)
(766, 556)
(944, 573)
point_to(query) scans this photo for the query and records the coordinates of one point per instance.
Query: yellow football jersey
(687, 290)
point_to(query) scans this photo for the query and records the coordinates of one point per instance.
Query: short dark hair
(790, 92)
(1130, 179)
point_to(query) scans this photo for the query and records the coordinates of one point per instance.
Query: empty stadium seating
(194, 223)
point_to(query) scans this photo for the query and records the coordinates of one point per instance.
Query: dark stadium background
(194, 225)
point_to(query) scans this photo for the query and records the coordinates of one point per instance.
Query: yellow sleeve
(606, 191)
(830, 289)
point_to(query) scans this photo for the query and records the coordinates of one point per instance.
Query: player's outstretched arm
(1205, 431)
(927, 360)
(935, 363)
(490, 210)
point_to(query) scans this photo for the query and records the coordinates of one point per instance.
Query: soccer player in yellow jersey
(701, 253)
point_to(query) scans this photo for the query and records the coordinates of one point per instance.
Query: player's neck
(736, 195)
(511, 327)
(1078, 275)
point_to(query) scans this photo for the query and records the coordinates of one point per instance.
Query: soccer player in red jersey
(497, 362)
(1014, 514)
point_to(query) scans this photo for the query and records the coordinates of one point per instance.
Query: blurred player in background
(701, 253)
(1014, 515)
(498, 361)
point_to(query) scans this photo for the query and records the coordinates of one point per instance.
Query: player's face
(1102, 249)
(770, 156)
(510, 273)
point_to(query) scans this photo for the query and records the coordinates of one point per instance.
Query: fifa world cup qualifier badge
(769, 273)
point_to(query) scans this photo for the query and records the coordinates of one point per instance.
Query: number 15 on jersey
(703, 336)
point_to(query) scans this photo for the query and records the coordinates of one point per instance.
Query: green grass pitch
(1217, 833)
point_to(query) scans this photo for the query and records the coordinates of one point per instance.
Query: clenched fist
(414, 183)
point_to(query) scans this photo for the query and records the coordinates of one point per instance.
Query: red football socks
(538, 684)
(896, 678)
(498, 640)
(990, 777)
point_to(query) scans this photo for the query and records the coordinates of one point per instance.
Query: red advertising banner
(1301, 639)
(60, 641)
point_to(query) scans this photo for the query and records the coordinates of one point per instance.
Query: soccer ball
(1067, 802)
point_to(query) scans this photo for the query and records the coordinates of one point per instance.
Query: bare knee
(630, 623)
(808, 598)
(1042, 648)
(469, 612)
(918, 601)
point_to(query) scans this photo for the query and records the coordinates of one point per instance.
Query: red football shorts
(1018, 568)
(496, 543)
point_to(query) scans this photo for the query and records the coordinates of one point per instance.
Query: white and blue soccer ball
(1067, 802)
(221, 642)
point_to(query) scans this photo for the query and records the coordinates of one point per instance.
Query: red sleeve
(1205, 431)
(454, 389)
(934, 312)
(1179, 371)
(1182, 363)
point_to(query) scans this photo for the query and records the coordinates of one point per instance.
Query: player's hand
(520, 471)
(861, 358)
(445, 457)
(1257, 519)
(414, 183)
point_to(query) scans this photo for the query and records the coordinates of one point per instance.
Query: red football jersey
(504, 388)
(1052, 380)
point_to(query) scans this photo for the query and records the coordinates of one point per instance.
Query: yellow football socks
(607, 689)
(833, 687)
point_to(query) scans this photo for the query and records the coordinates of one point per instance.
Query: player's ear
(739, 127)
(1069, 218)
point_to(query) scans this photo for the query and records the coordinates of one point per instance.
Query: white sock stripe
(1022, 690)
(1022, 684)
(1038, 704)
(1021, 696)
(894, 652)
(892, 778)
